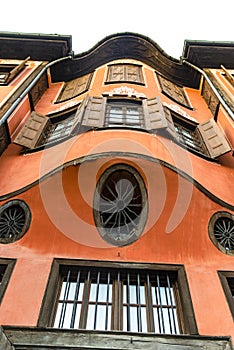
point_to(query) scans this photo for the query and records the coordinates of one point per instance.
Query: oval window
(120, 205)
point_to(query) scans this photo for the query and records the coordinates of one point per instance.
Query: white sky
(167, 22)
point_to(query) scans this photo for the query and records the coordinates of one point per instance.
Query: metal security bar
(132, 301)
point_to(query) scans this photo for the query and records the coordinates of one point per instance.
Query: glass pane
(133, 319)
(132, 116)
(132, 291)
(68, 315)
(115, 115)
(101, 317)
(143, 319)
(102, 295)
(93, 292)
(58, 314)
(77, 316)
(142, 295)
(90, 317)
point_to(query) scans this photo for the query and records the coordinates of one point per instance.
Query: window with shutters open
(97, 112)
(173, 91)
(9, 71)
(107, 296)
(130, 73)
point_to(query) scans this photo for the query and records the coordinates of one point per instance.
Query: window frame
(125, 73)
(48, 307)
(124, 104)
(10, 264)
(224, 276)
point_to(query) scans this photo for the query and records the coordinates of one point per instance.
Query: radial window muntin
(15, 218)
(221, 231)
(120, 205)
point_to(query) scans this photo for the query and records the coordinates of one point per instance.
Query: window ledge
(39, 338)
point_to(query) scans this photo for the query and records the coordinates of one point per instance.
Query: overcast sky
(167, 22)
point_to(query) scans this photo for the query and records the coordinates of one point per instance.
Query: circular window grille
(120, 205)
(221, 231)
(15, 218)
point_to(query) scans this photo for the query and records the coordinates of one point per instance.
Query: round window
(221, 231)
(15, 218)
(120, 205)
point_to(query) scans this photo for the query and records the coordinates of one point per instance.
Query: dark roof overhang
(118, 46)
(40, 47)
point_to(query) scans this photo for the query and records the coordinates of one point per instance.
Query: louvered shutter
(75, 87)
(210, 97)
(31, 131)
(79, 115)
(94, 113)
(213, 138)
(16, 70)
(157, 117)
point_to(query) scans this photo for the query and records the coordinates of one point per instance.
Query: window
(75, 87)
(130, 73)
(189, 135)
(6, 268)
(9, 71)
(120, 205)
(97, 112)
(124, 113)
(173, 91)
(221, 231)
(131, 299)
(15, 218)
(227, 281)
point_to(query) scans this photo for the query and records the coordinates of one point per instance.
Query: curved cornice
(97, 156)
(126, 45)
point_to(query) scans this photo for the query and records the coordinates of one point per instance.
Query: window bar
(151, 319)
(75, 300)
(160, 304)
(128, 302)
(174, 317)
(119, 302)
(166, 287)
(96, 300)
(86, 301)
(107, 300)
(139, 320)
(64, 304)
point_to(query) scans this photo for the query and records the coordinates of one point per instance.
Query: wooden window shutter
(16, 70)
(75, 87)
(115, 73)
(31, 131)
(157, 117)
(79, 115)
(94, 113)
(210, 97)
(173, 91)
(213, 138)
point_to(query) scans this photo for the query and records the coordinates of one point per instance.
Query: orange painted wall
(62, 219)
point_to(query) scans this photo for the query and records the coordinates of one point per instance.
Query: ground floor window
(110, 298)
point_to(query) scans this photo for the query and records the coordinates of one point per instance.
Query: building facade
(117, 206)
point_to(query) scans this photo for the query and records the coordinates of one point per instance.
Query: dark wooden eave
(209, 54)
(126, 45)
(40, 47)
(118, 46)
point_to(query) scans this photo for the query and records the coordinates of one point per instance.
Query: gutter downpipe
(221, 100)
(30, 86)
